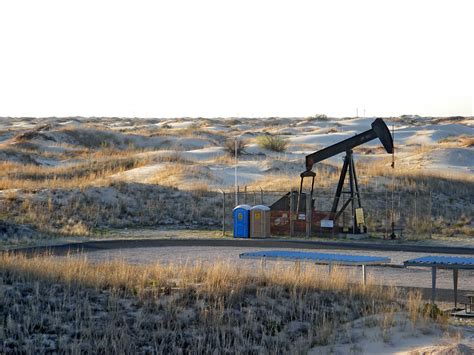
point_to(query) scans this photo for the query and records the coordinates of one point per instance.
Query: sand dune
(55, 142)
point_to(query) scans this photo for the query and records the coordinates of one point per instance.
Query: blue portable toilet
(241, 216)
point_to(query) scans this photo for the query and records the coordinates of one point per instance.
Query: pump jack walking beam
(379, 129)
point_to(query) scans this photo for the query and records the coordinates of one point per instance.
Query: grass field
(71, 304)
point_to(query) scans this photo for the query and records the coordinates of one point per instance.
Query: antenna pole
(235, 173)
(393, 236)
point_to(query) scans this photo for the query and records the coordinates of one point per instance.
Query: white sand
(367, 336)
(141, 174)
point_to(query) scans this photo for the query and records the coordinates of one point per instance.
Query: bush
(319, 117)
(230, 146)
(273, 143)
(432, 310)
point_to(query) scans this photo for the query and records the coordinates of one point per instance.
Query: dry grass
(414, 306)
(92, 171)
(226, 159)
(193, 131)
(183, 176)
(230, 146)
(381, 167)
(77, 211)
(76, 306)
(458, 141)
(324, 179)
(387, 322)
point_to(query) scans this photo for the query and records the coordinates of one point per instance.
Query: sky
(236, 58)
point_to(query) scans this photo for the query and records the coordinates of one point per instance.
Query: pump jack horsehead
(379, 129)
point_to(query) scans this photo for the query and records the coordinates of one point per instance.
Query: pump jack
(379, 129)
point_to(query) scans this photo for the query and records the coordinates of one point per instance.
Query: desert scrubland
(70, 178)
(76, 176)
(71, 305)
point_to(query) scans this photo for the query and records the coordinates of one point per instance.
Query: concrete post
(364, 275)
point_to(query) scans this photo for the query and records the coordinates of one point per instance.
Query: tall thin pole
(393, 184)
(223, 213)
(386, 213)
(292, 214)
(235, 164)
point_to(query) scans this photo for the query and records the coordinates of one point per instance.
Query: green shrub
(273, 143)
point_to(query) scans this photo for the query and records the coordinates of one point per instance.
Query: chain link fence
(411, 212)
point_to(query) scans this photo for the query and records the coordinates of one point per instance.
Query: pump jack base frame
(354, 195)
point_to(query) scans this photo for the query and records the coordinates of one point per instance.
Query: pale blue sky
(235, 58)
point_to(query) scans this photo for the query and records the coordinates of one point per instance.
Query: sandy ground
(408, 277)
(366, 336)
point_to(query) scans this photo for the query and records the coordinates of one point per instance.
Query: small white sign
(301, 216)
(327, 223)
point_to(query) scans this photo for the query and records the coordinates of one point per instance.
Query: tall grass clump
(232, 144)
(273, 143)
(414, 306)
